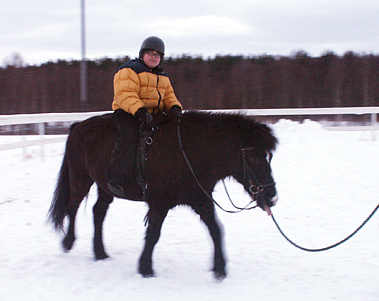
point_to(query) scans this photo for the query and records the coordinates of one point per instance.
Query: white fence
(373, 111)
(41, 119)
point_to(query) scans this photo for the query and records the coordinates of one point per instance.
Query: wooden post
(41, 133)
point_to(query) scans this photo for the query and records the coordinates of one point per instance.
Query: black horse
(215, 146)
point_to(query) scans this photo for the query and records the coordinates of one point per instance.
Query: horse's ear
(73, 126)
(262, 135)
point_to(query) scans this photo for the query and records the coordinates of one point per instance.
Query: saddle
(136, 188)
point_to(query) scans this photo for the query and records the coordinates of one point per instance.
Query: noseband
(255, 186)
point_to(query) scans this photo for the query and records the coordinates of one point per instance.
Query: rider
(141, 89)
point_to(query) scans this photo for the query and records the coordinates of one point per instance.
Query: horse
(184, 162)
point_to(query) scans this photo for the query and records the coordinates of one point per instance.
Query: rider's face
(151, 59)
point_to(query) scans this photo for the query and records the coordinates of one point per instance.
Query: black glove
(147, 118)
(175, 112)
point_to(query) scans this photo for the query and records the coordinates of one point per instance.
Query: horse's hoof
(146, 273)
(67, 243)
(152, 275)
(219, 275)
(101, 256)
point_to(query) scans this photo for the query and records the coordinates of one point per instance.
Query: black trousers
(123, 157)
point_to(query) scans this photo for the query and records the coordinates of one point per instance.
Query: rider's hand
(147, 118)
(175, 112)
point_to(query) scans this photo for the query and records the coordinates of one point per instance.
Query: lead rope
(329, 247)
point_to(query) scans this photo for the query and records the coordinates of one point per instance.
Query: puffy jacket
(136, 86)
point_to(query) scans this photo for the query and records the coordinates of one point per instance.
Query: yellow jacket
(136, 86)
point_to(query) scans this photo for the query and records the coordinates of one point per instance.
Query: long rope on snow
(331, 246)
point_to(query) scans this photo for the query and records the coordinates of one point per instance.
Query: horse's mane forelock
(252, 132)
(262, 134)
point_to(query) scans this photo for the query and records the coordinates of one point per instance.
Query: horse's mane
(236, 128)
(251, 132)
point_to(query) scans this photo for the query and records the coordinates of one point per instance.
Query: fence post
(41, 133)
(24, 150)
(373, 123)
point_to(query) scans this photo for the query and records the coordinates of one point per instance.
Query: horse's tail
(58, 208)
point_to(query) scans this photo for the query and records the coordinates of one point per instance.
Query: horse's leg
(80, 186)
(69, 239)
(99, 212)
(155, 220)
(208, 216)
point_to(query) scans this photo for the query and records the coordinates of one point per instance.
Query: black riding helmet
(152, 43)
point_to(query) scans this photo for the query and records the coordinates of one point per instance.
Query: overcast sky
(45, 30)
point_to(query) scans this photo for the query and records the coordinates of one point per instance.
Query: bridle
(255, 186)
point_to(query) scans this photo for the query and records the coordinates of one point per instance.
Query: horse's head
(257, 177)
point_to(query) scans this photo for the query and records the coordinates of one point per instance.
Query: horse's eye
(255, 160)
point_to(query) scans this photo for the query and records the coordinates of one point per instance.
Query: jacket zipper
(160, 97)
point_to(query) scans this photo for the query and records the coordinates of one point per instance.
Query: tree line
(222, 82)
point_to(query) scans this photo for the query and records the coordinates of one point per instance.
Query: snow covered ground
(327, 184)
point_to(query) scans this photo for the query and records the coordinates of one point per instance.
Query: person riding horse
(141, 90)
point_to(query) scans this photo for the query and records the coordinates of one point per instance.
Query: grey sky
(43, 30)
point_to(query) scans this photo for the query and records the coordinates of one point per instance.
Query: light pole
(83, 66)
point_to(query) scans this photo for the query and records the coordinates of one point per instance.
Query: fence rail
(373, 111)
(41, 119)
(48, 117)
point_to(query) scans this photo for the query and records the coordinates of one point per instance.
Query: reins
(260, 188)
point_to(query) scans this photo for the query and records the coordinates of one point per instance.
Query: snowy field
(327, 184)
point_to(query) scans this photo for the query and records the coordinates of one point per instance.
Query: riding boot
(120, 170)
